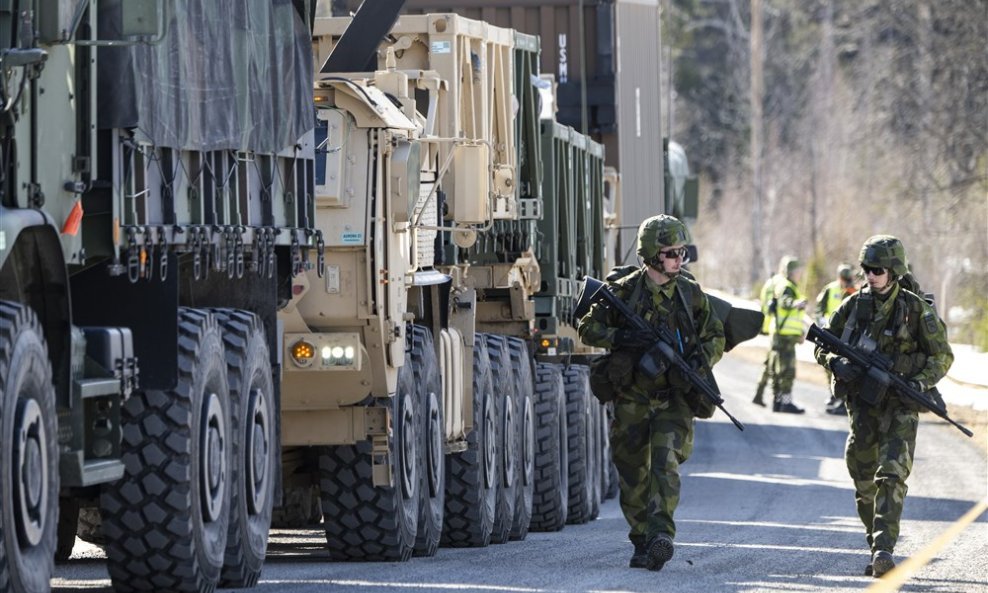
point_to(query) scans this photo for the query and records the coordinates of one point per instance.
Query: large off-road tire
(506, 408)
(166, 520)
(521, 367)
(367, 522)
(550, 498)
(581, 439)
(253, 440)
(68, 519)
(432, 466)
(28, 453)
(471, 475)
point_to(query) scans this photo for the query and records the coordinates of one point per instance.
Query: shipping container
(606, 66)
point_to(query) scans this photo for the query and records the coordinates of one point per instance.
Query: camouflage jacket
(906, 329)
(699, 329)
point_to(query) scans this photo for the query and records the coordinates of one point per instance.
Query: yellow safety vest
(788, 322)
(835, 296)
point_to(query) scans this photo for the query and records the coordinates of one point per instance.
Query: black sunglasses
(871, 270)
(674, 253)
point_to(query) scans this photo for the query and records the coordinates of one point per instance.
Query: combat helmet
(885, 251)
(658, 232)
(788, 264)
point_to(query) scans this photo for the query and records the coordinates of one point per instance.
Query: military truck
(156, 199)
(412, 398)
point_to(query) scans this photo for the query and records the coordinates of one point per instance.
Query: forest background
(875, 120)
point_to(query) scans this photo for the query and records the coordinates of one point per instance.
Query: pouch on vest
(610, 373)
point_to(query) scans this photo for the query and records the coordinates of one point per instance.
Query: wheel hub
(31, 471)
(258, 447)
(528, 443)
(435, 451)
(490, 443)
(407, 444)
(509, 443)
(213, 458)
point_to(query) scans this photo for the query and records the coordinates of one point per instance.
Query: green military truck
(156, 199)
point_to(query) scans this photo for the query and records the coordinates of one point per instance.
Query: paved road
(769, 509)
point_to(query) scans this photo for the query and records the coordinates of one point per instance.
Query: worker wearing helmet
(887, 318)
(652, 431)
(786, 331)
(832, 295)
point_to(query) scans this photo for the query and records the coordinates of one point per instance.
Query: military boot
(660, 550)
(759, 392)
(881, 563)
(639, 559)
(785, 405)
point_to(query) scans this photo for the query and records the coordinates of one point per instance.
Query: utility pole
(757, 92)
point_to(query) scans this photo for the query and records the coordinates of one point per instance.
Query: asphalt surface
(767, 509)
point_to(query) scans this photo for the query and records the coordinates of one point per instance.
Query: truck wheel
(28, 453)
(252, 478)
(549, 499)
(471, 478)
(431, 465)
(580, 442)
(166, 520)
(506, 408)
(367, 522)
(521, 366)
(68, 519)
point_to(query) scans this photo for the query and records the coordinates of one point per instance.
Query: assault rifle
(878, 370)
(662, 354)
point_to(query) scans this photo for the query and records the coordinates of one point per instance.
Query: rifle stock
(666, 347)
(879, 370)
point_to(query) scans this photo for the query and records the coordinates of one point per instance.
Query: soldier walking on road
(884, 317)
(787, 306)
(832, 295)
(652, 431)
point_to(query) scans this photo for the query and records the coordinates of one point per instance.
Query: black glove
(918, 385)
(843, 369)
(634, 339)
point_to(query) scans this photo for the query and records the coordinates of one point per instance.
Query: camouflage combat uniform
(880, 446)
(652, 431)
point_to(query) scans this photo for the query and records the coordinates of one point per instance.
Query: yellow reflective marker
(901, 573)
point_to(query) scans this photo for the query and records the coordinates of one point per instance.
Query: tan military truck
(411, 397)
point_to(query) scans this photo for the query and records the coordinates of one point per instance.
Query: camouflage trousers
(783, 363)
(649, 439)
(879, 457)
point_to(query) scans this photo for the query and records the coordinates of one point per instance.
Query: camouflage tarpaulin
(229, 74)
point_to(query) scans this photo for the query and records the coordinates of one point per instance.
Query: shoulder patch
(930, 322)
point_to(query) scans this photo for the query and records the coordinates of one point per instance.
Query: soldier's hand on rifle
(918, 385)
(633, 339)
(843, 369)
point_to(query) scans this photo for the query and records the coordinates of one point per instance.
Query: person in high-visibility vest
(832, 295)
(786, 330)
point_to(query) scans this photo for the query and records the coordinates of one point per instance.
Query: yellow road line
(900, 574)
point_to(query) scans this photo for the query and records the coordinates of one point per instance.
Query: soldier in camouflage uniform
(652, 431)
(901, 325)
